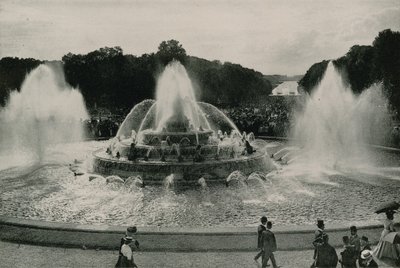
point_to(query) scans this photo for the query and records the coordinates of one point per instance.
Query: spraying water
(46, 111)
(175, 97)
(332, 130)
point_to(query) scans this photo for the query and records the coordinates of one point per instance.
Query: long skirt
(386, 249)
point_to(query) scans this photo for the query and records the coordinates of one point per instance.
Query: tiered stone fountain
(178, 135)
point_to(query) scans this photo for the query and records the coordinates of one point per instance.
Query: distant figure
(125, 258)
(349, 255)
(326, 254)
(386, 249)
(366, 259)
(354, 239)
(268, 246)
(117, 155)
(125, 254)
(260, 229)
(364, 243)
(318, 238)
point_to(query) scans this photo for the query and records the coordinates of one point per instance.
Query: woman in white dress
(386, 249)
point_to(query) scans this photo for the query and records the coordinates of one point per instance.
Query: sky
(270, 36)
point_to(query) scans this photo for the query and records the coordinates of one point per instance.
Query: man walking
(268, 246)
(326, 254)
(319, 233)
(261, 228)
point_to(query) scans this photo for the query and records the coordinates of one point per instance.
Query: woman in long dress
(387, 249)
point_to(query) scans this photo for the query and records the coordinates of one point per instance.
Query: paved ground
(16, 255)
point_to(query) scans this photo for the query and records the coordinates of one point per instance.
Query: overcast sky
(284, 37)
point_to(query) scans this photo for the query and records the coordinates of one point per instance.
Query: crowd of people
(356, 251)
(276, 118)
(273, 118)
(97, 128)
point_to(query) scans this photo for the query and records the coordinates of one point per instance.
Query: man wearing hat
(326, 254)
(366, 259)
(261, 228)
(354, 239)
(318, 238)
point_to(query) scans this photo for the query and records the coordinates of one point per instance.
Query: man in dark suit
(268, 246)
(319, 233)
(354, 239)
(261, 228)
(326, 254)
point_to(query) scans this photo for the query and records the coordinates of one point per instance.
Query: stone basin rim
(145, 230)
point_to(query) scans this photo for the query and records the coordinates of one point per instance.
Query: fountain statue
(175, 134)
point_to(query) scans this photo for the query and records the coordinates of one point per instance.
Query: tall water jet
(45, 111)
(332, 128)
(175, 98)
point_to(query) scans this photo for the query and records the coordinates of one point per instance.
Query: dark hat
(131, 230)
(320, 222)
(353, 228)
(264, 219)
(364, 238)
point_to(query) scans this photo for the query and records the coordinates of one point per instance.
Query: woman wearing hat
(366, 259)
(384, 248)
(126, 256)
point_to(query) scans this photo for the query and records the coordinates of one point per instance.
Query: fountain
(337, 125)
(177, 135)
(160, 148)
(41, 114)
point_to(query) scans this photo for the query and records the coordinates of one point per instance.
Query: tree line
(366, 65)
(109, 78)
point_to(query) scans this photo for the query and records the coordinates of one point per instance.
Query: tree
(169, 50)
(387, 46)
(313, 76)
(12, 73)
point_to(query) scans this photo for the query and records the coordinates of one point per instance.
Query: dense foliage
(111, 79)
(12, 74)
(365, 65)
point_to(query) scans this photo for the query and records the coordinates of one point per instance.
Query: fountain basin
(187, 172)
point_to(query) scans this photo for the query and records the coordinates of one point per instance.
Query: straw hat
(366, 254)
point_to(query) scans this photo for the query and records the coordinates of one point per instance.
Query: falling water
(45, 111)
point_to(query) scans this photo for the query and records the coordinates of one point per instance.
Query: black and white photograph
(203, 133)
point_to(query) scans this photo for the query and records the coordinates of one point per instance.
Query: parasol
(389, 206)
(393, 237)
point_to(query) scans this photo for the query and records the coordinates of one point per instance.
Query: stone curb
(166, 239)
